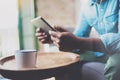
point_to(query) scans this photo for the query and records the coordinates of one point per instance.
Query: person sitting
(108, 43)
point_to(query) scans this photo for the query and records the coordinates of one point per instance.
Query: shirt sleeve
(111, 42)
(83, 28)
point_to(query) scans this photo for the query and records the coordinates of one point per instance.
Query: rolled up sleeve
(111, 42)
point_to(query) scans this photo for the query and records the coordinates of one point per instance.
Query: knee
(93, 71)
(113, 62)
(112, 68)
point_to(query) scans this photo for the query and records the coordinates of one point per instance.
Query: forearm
(92, 44)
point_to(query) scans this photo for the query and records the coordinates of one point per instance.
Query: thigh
(112, 68)
(92, 71)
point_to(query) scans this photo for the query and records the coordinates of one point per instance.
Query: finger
(40, 34)
(54, 34)
(54, 39)
(60, 29)
(42, 40)
(41, 37)
(38, 30)
(56, 44)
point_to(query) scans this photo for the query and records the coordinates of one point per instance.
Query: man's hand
(42, 36)
(63, 39)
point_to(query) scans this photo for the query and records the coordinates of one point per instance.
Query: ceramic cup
(25, 58)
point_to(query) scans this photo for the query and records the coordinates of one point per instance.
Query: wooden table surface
(48, 64)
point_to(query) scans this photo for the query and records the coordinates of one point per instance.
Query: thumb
(60, 29)
(54, 34)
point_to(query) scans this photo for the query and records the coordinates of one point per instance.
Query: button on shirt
(103, 17)
(111, 42)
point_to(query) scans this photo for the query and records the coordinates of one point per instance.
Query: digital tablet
(42, 23)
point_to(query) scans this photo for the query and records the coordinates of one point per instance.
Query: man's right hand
(42, 36)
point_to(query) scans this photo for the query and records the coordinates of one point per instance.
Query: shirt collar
(92, 2)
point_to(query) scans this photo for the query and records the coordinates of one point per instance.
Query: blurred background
(16, 31)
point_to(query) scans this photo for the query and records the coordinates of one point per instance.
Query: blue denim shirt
(104, 17)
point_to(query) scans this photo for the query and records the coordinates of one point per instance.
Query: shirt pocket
(111, 22)
(112, 17)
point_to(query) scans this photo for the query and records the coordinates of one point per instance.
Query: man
(108, 44)
(103, 15)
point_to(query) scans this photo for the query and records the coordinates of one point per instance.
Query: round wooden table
(60, 65)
